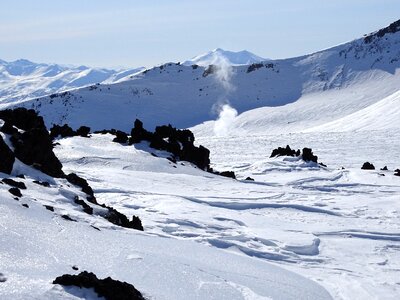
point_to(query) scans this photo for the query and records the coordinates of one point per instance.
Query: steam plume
(226, 113)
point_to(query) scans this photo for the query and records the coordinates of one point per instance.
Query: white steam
(225, 119)
(223, 72)
(226, 113)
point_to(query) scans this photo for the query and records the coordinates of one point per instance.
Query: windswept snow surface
(338, 227)
(37, 245)
(23, 79)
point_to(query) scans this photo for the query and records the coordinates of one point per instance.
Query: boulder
(368, 166)
(34, 147)
(108, 288)
(63, 131)
(83, 131)
(307, 155)
(14, 183)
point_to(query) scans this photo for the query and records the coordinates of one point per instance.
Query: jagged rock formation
(108, 288)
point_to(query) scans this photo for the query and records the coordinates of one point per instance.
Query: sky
(129, 33)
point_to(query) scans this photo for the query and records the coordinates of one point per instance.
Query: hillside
(278, 96)
(52, 224)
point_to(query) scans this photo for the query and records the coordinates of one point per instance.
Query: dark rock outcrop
(120, 137)
(108, 288)
(8, 128)
(138, 133)
(397, 172)
(63, 131)
(392, 28)
(86, 207)
(287, 151)
(22, 118)
(34, 147)
(14, 183)
(180, 143)
(82, 183)
(368, 166)
(66, 131)
(42, 183)
(7, 157)
(119, 219)
(254, 67)
(83, 131)
(15, 191)
(307, 155)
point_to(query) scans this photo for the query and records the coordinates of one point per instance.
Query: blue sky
(144, 33)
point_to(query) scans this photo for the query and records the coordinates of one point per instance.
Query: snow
(338, 227)
(243, 57)
(289, 95)
(38, 245)
(299, 231)
(23, 79)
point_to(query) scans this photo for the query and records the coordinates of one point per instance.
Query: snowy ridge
(243, 57)
(23, 79)
(293, 95)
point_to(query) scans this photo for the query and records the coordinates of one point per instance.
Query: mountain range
(23, 79)
(304, 93)
(222, 207)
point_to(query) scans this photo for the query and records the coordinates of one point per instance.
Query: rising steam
(226, 113)
(225, 119)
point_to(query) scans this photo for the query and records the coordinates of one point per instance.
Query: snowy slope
(38, 244)
(243, 57)
(277, 96)
(23, 79)
(339, 227)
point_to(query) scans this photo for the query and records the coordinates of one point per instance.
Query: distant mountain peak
(243, 57)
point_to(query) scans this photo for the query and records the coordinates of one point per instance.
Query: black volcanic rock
(7, 157)
(83, 131)
(63, 131)
(307, 155)
(108, 288)
(14, 183)
(392, 28)
(8, 128)
(287, 151)
(15, 191)
(368, 166)
(34, 147)
(22, 118)
(138, 133)
(82, 183)
(119, 219)
(254, 67)
(120, 137)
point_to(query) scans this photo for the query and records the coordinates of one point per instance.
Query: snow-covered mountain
(286, 95)
(22, 79)
(233, 58)
(285, 228)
